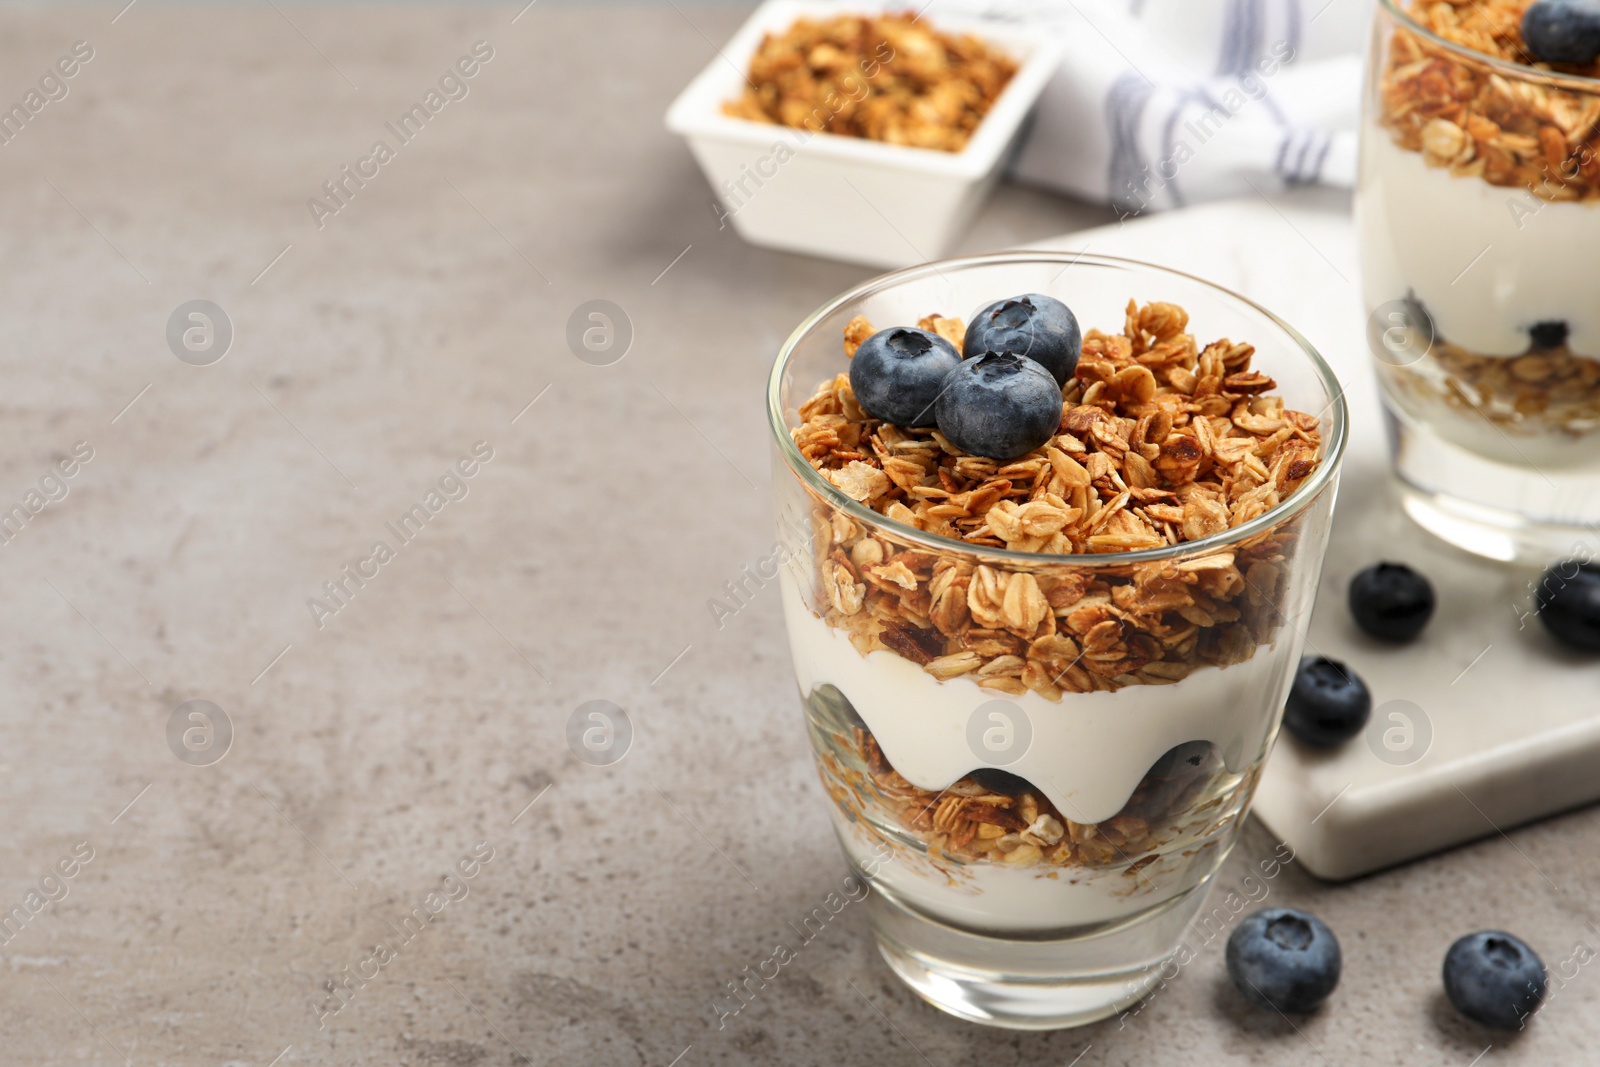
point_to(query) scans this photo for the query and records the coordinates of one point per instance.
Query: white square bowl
(848, 198)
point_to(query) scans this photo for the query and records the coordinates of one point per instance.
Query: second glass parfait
(1040, 691)
(1479, 217)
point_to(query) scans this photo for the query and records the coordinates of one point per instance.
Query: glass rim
(1297, 501)
(1510, 68)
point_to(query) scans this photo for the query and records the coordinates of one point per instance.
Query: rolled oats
(1545, 391)
(1013, 824)
(1151, 461)
(1465, 115)
(888, 77)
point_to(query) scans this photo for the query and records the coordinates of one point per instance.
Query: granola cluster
(886, 78)
(1472, 119)
(1160, 442)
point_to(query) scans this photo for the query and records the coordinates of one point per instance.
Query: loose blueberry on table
(999, 406)
(1328, 703)
(1494, 978)
(1391, 602)
(1563, 31)
(897, 374)
(1033, 325)
(1568, 599)
(1284, 959)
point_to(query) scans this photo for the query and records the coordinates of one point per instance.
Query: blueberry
(1568, 599)
(1328, 704)
(1182, 759)
(1552, 333)
(897, 374)
(1418, 315)
(1494, 979)
(1391, 602)
(999, 406)
(996, 780)
(1563, 31)
(1284, 959)
(1033, 325)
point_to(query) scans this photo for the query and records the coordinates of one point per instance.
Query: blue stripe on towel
(1301, 155)
(1294, 30)
(1168, 149)
(1283, 152)
(1314, 175)
(1241, 37)
(1300, 160)
(1129, 170)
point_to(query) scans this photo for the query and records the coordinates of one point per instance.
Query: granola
(1160, 442)
(883, 77)
(1002, 819)
(1546, 390)
(1468, 117)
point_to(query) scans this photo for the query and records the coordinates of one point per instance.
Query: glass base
(1519, 513)
(1030, 984)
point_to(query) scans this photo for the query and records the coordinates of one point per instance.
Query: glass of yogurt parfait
(1040, 687)
(1478, 207)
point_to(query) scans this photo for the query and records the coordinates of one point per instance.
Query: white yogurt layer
(1486, 261)
(1089, 752)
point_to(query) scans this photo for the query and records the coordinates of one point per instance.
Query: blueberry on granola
(1391, 602)
(1563, 31)
(1568, 599)
(1494, 978)
(1033, 325)
(897, 374)
(999, 406)
(1328, 703)
(1284, 959)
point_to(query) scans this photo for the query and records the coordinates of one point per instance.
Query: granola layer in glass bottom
(1161, 842)
(1540, 407)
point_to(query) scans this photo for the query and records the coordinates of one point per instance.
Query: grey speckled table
(386, 743)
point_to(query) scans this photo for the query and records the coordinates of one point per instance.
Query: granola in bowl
(1479, 208)
(979, 579)
(888, 77)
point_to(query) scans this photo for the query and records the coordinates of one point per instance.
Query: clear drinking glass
(1478, 208)
(1037, 832)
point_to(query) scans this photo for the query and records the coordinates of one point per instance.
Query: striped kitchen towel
(1161, 103)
